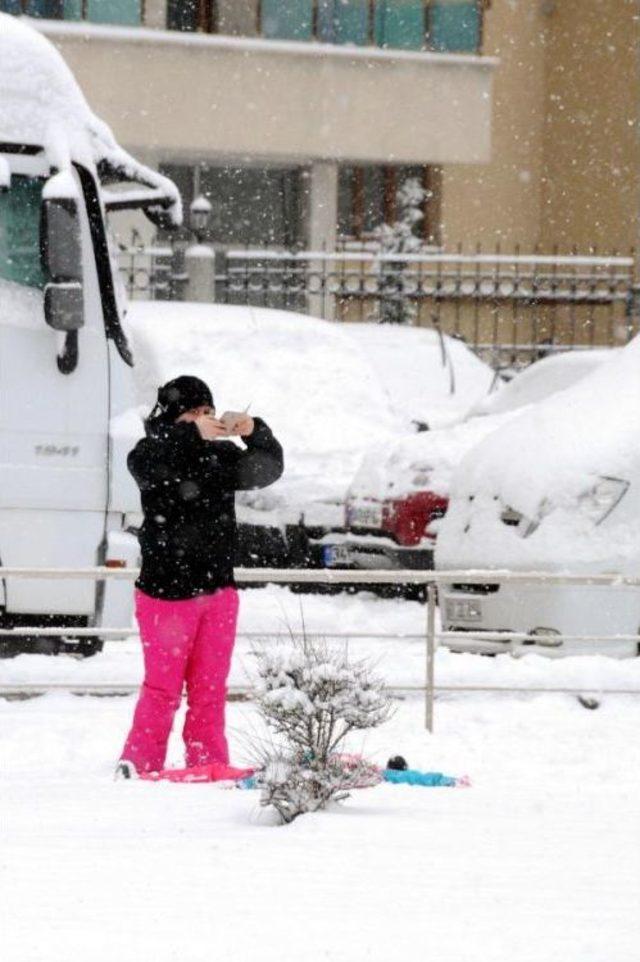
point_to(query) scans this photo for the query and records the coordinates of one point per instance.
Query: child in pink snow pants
(185, 644)
(188, 471)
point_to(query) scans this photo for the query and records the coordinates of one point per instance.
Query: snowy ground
(539, 860)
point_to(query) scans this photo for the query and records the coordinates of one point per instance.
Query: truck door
(53, 425)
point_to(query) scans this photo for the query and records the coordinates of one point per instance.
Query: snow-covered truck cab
(65, 379)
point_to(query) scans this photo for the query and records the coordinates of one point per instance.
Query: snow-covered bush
(312, 697)
(400, 238)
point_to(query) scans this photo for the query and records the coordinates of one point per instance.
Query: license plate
(364, 516)
(462, 609)
(335, 555)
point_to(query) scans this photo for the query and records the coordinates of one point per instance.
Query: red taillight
(115, 563)
(407, 519)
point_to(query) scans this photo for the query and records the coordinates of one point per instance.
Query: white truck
(65, 365)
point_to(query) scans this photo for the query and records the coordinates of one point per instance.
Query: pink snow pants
(184, 642)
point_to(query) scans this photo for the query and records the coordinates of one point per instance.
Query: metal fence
(432, 635)
(509, 307)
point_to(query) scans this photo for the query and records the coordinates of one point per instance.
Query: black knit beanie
(180, 395)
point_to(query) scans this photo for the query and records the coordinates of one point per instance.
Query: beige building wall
(501, 201)
(565, 166)
(184, 97)
(592, 160)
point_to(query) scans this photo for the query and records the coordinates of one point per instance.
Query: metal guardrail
(342, 576)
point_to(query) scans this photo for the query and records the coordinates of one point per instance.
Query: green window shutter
(114, 11)
(10, 6)
(287, 19)
(400, 24)
(455, 26)
(73, 9)
(343, 21)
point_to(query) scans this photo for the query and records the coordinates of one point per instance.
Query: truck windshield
(20, 232)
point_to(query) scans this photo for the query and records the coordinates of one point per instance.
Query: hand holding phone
(210, 428)
(237, 423)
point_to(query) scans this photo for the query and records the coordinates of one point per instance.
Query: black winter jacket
(187, 488)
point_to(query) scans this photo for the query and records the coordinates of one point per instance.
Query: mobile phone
(230, 418)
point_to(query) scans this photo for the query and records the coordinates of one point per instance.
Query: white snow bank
(424, 376)
(546, 464)
(540, 856)
(313, 387)
(424, 462)
(428, 461)
(310, 383)
(319, 385)
(541, 379)
(587, 430)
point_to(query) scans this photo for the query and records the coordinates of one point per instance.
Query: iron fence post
(431, 651)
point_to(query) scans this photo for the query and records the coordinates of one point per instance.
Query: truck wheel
(10, 648)
(85, 648)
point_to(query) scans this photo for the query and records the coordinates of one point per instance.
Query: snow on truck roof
(41, 105)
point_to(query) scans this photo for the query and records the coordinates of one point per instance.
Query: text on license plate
(334, 555)
(463, 610)
(364, 516)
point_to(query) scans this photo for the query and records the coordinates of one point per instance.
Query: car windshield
(20, 232)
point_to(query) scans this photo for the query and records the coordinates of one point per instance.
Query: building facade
(299, 119)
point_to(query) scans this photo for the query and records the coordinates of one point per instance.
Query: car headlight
(603, 497)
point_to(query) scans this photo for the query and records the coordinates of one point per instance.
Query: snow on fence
(507, 306)
(432, 635)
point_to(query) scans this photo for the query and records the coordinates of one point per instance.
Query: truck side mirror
(61, 254)
(61, 249)
(64, 306)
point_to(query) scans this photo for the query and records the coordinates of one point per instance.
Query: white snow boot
(125, 769)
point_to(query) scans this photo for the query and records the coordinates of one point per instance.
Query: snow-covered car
(324, 389)
(557, 489)
(400, 493)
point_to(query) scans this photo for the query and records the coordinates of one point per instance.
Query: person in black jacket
(186, 600)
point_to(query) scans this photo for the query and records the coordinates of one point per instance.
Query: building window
(453, 26)
(400, 24)
(344, 21)
(97, 11)
(445, 25)
(367, 199)
(185, 15)
(251, 206)
(287, 19)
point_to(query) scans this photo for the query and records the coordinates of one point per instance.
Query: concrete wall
(198, 96)
(238, 18)
(155, 14)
